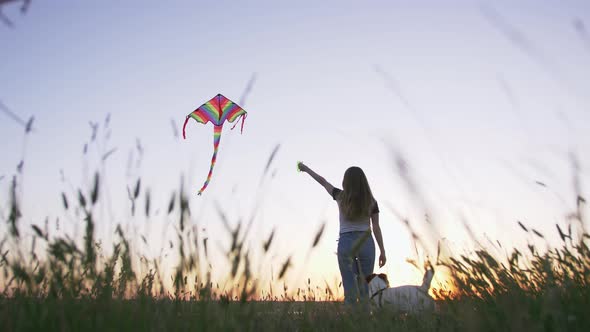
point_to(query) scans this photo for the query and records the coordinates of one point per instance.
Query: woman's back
(358, 223)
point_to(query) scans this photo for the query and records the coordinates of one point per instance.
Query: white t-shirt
(360, 224)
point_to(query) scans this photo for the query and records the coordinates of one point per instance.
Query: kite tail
(184, 127)
(216, 137)
(243, 117)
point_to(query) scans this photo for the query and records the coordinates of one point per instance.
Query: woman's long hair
(356, 198)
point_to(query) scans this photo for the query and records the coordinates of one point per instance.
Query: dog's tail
(428, 275)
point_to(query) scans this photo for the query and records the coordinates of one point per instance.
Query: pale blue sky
(488, 116)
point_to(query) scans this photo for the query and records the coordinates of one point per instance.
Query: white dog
(403, 298)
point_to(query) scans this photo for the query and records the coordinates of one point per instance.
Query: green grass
(73, 285)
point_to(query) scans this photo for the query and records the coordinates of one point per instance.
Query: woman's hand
(382, 259)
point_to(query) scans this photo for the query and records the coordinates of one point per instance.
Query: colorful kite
(217, 110)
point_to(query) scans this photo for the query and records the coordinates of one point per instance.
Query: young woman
(358, 212)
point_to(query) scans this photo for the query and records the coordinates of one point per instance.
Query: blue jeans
(349, 263)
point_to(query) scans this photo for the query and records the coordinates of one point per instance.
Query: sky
(480, 99)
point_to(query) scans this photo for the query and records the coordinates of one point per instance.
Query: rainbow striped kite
(217, 110)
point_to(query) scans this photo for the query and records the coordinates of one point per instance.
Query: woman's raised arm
(329, 188)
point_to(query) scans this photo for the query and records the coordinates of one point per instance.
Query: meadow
(58, 282)
(71, 274)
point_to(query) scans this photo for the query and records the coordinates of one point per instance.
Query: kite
(217, 110)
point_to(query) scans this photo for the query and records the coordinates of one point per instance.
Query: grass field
(74, 284)
(56, 277)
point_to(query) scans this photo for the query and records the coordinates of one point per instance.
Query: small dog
(407, 298)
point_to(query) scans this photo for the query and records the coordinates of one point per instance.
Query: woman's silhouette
(358, 212)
